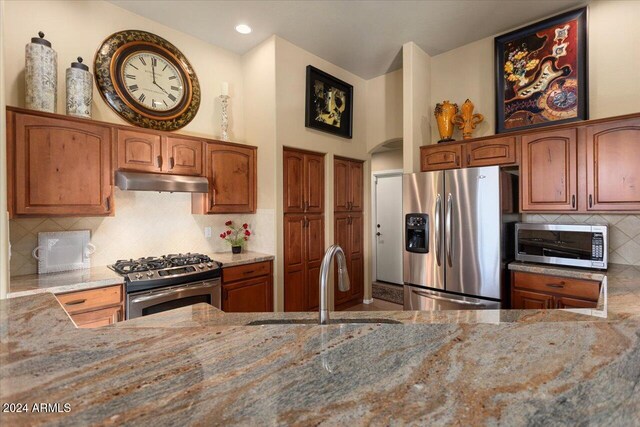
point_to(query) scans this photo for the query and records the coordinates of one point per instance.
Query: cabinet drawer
(499, 151)
(92, 299)
(581, 289)
(247, 271)
(98, 318)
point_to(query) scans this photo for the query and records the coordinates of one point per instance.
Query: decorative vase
(41, 75)
(79, 90)
(444, 112)
(236, 249)
(466, 120)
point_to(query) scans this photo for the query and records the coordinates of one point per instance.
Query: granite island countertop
(198, 365)
(101, 276)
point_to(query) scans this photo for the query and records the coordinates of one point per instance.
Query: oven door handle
(172, 292)
(456, 301)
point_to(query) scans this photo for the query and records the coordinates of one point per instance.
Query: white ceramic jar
(41, 75)
(79, 90)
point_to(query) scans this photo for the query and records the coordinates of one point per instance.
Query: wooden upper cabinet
(347, 185)
(498, 151)
(303, 177)
(184, 156)
(139, 151)
(439, 157)
(60, 168)
(613, 166)
(340, 185)
(231, 170)
(314, 183)
(549, 171)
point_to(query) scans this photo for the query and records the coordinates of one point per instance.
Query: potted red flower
(236, 236)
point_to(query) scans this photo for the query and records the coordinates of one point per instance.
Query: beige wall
(291, 63)
(386, 160)
(78, 28)
(416, 69)
(384, 109)
(4, 216)
(614, 58)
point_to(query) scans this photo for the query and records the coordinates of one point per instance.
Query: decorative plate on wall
(147, 80)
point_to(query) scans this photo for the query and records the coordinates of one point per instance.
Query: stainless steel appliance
(158, 284)
(458, 238)
(572, 245)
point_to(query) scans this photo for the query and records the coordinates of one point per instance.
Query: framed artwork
(329, 103)
(541, 73)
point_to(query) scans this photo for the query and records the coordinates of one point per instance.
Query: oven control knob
(138, 276)
(201, 266)
(149, 273)
(209, 265)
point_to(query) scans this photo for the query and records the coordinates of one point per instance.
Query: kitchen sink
(315, 321)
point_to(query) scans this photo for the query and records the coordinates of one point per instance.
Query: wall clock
(147, 80)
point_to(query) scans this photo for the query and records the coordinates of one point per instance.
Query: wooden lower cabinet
(303, 252)
(248, 288)
(539, 291)
(349, 232)
(93, 308)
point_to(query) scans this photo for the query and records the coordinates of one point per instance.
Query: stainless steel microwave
(571, 245)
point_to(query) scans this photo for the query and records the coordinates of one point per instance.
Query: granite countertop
(97, 277)
(198, 365)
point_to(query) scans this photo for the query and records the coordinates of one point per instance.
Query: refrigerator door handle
(447, 228)
(457, 301)
(436, 237)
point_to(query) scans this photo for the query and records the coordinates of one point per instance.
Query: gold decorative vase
(444, 113)
(466, 120)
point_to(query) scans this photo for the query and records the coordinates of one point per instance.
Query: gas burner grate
(155, 263)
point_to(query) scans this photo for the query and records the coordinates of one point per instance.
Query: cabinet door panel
(232, 178)
(314, 182)
(293, 182)
(184, 156)
(355, 186)
(342, 238)
(356, 255)
(435, 157)
(294, 263)
(139, 151)
(549, 171)
(613, 160)
(61, 168)
(314, 241)
(564, 302)
(522, 300)
(340, 185)
(98, 318)
(499, 151)
(356, 274)
(248, 296)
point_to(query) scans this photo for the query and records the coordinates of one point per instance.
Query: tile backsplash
(145, 224)
(624, 232)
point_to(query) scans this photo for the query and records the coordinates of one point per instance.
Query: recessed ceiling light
(243, 29)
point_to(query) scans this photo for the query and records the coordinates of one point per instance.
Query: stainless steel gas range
(156, 284)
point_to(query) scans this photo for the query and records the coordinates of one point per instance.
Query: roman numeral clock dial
(153, 81)
(147, 80)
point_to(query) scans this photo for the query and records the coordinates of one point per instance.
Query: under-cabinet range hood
(140, 181)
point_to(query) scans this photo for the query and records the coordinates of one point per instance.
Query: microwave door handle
(426, 295)
(436, 233)
(170, 292)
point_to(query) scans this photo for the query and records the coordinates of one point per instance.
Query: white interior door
(388, 231)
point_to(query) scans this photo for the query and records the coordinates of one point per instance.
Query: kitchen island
(198, 365)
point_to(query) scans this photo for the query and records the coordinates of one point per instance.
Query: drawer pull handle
(249, 272)
(556, 285)
(76, 302)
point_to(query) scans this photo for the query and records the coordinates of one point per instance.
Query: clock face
(152, 81)
(147, 80)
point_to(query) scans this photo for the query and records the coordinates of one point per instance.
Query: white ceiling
(364, 37)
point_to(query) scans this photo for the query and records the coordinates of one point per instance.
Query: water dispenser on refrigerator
(417, 233)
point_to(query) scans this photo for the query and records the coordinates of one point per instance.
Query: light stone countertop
(97, 277)
(198, 365)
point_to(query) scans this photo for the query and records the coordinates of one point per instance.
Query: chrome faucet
(343, 279)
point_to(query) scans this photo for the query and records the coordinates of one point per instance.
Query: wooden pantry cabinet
(93, 308)
(538, 291)
(303, 181)
(231, 171)
(248, 288)
(347, 185)
(58, 167)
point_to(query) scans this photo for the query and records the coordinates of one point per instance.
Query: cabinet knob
(573, 201)
(159, 159)
(590, 200)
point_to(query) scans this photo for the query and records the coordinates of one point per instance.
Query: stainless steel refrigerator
(458, 237)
